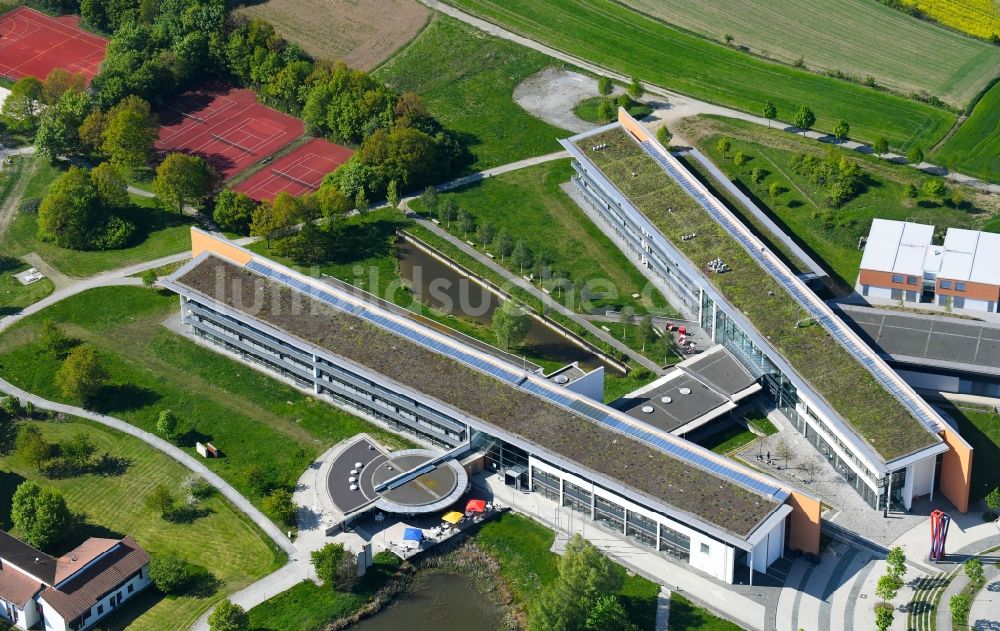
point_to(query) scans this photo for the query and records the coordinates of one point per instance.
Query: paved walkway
(985, 612)
(682, 106)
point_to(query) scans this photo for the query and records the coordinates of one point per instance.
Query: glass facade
(545, 484)
(675, 544)
(641, 528)
(577, 498)
(609, 514)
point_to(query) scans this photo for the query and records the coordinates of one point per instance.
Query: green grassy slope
(975, 148)
(467, 79)
(623, 40)
(861, 38)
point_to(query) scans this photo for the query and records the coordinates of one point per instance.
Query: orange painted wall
(974, 291)
(884, 279)
(804, 523)
(956, 470)
(201, 241)
(632, 126)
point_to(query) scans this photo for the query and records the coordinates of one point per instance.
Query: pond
(438, 602)
(443, 289)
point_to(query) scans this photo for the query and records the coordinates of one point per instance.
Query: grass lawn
(685, 616)
(526, 563)
(831, 234)
(837, 35)
(309, 607)
(587, 110)
(223, 542)
(159, 233)
(728, 439)
(981, 428)
(759, 421)
(620, 39)
(467, 79)
(975, 147)
(253, 419)
(532, 207)
(13, 295)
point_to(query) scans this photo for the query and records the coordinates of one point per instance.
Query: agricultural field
(223, 541)
(364, 33)
(830, 234)
(912, 55)
(975, 17)
(975, 147)
(628, 42)
(467, 79)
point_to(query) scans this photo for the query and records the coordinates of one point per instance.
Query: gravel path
(551, 95)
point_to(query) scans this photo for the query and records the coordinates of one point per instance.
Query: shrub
(29, 205)
(161, 501)
(974, 570)
(335, 566)
(32, 447)
(149, 278)
(40, 515)
(228, 616)
(117, 233)
(278, 505)
(959, 605)
(53, 340)
(169, 572)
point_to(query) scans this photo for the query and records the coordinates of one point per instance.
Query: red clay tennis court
(226, 126)
(32, 43)
(299, 172)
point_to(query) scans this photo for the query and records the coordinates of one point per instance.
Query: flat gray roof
(721, 370)
(666, 408)
(939, 341)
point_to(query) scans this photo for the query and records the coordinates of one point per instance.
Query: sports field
(32, 43)
(623, 40)
(299, 172)
(861, 38)
(975, 148)
(364, 33)
(226, 126)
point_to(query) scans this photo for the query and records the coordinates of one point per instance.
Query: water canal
(438, 602)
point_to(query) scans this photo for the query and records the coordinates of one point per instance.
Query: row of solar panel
(834, 327)
(671, 447)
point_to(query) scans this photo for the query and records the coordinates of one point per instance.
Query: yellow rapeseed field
(976, 17)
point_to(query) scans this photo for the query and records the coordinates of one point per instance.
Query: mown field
(467, 79)
(13, 295)
(364, 33)
(975, 17)
(222, 542)
(623, 40)
(830, 234)
(910, 55)
(975, 147)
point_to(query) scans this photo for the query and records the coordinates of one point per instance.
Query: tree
(647, 335)
(446, 211)
(783, 451)
(59, 82)
(895, 562)
(739, 159)
(161, 501)
(466, 222)
(723, 146)
(521, 256)
(510, 324)
(911, 190)
(234, 211)
(79, 449)
(69, 215)
(935, 188)
(883, 617)
(392, 195)
(959, 606)
(635, 89)
(728, 39)
(664, 135)
(279, 506)
(805, 119)
(21, 108)
(887, 587)
(915, 155)
(58, 129)
(130, 130)
(757, 175)
(605, 110)
(182, 179)
(585, 575)
(257, 479)
(167, 424)
(52, 339)
(775, 189)
(40, 515)
(333, 204)
(429, 198)
(841, 130)
(974, 570)
(91, 131)
(228, 616)
(82, 374)
(993, 500)
(604, 86)
(504, 244)
(770, 111)
(112, 191)
(149, 278)
(32, 447)
(169, 572)
(326, 560)
(608, 613)
(485, 233)
(880, 146)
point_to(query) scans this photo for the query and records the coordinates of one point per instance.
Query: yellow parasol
(453, 517)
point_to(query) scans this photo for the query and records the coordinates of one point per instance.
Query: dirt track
(364, 33)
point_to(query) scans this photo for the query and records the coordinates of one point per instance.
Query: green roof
(874, 413)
